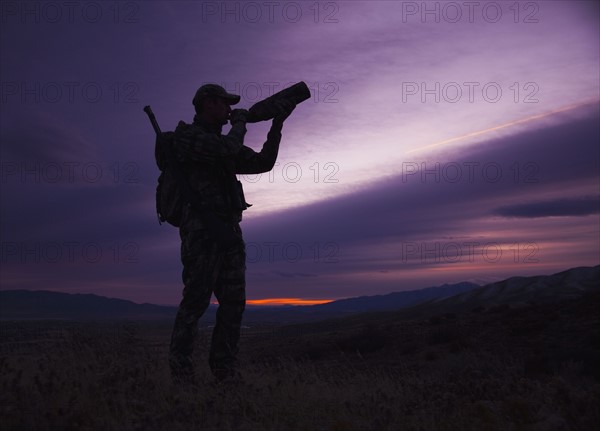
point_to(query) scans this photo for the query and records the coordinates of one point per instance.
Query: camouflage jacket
(210, 161)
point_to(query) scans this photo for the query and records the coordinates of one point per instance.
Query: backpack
(169, 197)
(173, 192)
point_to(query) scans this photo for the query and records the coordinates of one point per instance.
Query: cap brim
(233, 99)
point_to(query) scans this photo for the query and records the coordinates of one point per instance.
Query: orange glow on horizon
(282, 301)
(287, 301)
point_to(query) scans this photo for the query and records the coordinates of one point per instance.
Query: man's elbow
(269, 165)
(266, 164)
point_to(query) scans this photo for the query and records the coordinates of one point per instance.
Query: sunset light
(287, 301)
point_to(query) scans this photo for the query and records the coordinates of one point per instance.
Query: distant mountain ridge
(572, 283)
(45, 304)
(395, 300)
(42, 304)
(519, 291)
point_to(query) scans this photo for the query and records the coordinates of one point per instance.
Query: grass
(468, 372)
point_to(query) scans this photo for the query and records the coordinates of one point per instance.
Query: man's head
(213, 104)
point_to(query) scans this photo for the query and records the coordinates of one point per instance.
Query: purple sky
(445, 141)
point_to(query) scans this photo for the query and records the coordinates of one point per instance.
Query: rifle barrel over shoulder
(152, 118)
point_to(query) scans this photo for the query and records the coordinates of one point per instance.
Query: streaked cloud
(555, 208)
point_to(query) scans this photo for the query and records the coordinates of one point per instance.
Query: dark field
(527, 368)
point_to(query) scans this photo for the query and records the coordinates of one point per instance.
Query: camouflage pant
(205, 270)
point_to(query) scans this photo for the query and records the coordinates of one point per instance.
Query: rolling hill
(514, 292)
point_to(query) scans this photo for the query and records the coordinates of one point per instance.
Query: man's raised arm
(249, 161)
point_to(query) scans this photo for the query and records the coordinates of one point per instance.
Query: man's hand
(285, 107)
(238, 116)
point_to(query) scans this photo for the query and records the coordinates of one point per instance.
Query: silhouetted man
(210, 161)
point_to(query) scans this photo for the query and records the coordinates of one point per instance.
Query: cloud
(448, 193)
(405, 230)
(554, 208)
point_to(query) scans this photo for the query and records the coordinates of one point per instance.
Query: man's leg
(231, 294)
(200, 269)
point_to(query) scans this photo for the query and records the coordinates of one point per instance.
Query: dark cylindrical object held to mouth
(267, 109)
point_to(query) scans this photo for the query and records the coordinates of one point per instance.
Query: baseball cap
(214, 90)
